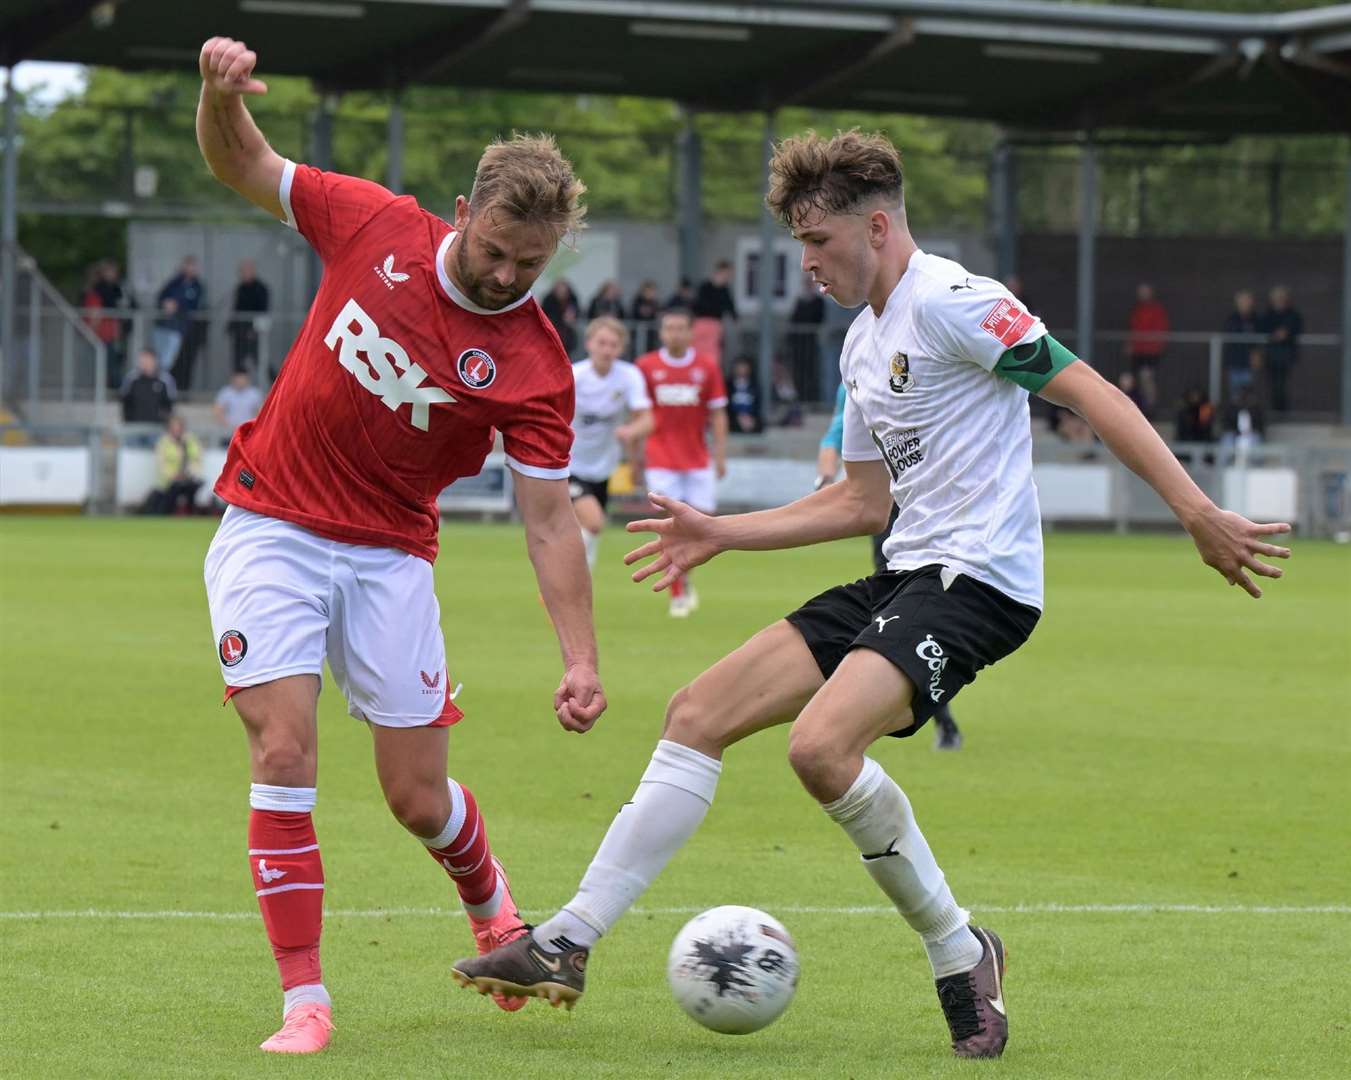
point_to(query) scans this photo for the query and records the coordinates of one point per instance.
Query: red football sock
(678, 587)
(288, 878)
(466, 855)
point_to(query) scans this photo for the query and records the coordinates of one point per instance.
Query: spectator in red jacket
(1149, 335)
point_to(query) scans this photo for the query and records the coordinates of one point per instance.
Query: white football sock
(672, 799)
(878, 818)
(301, 995)
(591, 542)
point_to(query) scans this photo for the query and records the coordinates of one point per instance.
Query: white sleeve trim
(288, 175)
(536, 472)
(856, 456)
(717, 403)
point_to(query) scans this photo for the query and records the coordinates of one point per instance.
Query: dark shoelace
(957, 995)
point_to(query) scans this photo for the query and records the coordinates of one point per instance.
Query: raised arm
(235, 150)
(1228, 542)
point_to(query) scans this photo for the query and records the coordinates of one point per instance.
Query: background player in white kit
(608, 390)
(422, 340)
(937, 368)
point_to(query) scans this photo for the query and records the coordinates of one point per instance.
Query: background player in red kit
(688, 399)
(422, 340)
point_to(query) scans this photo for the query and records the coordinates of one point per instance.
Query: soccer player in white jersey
(608, 390)
(938, 367)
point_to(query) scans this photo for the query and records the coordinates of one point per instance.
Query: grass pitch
(1152, 809)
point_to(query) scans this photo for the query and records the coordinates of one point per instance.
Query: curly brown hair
(528, 179)
(811, 176)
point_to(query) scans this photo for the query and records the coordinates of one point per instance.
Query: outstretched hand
(684, 540)
(579, 699)
(227, 67)
(1230, 543)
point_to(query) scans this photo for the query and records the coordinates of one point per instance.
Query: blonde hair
(608, 322)
(809, 175)
(529, 180)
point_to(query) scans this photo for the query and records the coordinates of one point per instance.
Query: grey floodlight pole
(765, 281)
(9, 229)
(1088, 236)
(1004, 200)
(690, 197)
(1346, 302)
(395, 143)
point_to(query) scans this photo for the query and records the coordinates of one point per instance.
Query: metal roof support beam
(764, 369)
(1088, 237)
(841, 69)
(9, 231)
(690, 197)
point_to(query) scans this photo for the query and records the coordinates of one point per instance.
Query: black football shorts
(597, 489)
(938, 627)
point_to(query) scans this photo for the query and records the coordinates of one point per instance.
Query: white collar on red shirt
(678, 361)
(448, 286)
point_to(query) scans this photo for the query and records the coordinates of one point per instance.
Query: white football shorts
(283, 599)
(698, 487)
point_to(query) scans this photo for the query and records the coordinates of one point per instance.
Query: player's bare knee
(689, 721)
(281, 759)
(420, 810)
(814, 757)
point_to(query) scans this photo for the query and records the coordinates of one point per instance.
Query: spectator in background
(713, 303)
(103, 299)
(1283, 325)
(683, 297)
(646, 307)
(743, 399)
(1149, 335)
(1242, 360)
(1127, 384)
(178, 460)
(788, 412)
(1196, 418)
(804, 334)
(251, 305)
(607, 301)
(147, 393)
(236, 401)
(166, 336)
(181, 299)
(561, 308)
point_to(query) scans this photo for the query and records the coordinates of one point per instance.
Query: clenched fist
(227, 67)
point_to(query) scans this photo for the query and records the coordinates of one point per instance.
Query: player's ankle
(563, 932)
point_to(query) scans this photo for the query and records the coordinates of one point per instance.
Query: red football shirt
(683, 390)
(396, 381)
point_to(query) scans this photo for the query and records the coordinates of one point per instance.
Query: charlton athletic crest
(901, 380)
(476, 368)
(233, 647)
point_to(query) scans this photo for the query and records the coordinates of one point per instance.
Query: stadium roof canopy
(1030, 65)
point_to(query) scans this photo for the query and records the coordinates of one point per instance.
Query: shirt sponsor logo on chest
(387, 371)
(677, 394)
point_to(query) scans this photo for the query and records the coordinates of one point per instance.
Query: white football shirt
(923, 397)
(602, 403)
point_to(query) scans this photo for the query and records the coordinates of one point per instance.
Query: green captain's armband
(1035, 364)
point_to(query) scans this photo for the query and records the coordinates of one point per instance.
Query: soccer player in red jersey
(689, 398)
(422, 340)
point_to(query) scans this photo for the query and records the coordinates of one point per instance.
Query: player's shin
(289, 881)
(461, 847)
(878, 818)
(672, 799)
